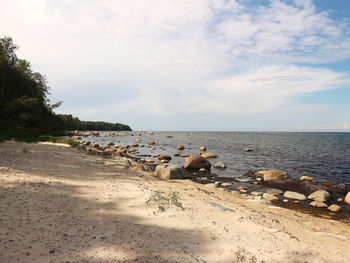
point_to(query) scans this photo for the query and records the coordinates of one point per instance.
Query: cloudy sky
(229, 65)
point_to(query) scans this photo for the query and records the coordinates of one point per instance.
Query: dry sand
(59, 204)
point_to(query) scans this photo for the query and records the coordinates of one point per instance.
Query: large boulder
(169, 171)
(209, 155)
(320, 195)
(347, 198)
(270, 175)
(294, 195)
(197, 162)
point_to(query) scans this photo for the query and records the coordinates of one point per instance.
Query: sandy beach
(61, 204)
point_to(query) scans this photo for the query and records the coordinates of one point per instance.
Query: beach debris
(347, 198)
(197, 161)
(180, 147)
(248, 149)
(220, 207)
(209, 155)
(169, 171)
(202, 148)
(340, 237)
(319, 204)
(304, 177)
(320, 195)
(220, 165)
(270, 175)
(294, 195)
(334, 208)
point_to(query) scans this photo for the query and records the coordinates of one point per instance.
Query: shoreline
(68, 205)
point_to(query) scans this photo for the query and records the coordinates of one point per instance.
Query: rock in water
(334, 208)
(248, 149)
(180, 147)
(294, 195)
(209, 155)
(304, 177)
(270, 197)
(320, 195)
(202, 148)
(270, 175)
(151, 143)
(347, 198)
(164, 157)
(318, 204)
(221, 165)
(169, 171)
(197, 162)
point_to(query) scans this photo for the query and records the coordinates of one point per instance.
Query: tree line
(24, 102)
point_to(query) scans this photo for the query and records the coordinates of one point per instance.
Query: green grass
(32, 137)
(162, 202)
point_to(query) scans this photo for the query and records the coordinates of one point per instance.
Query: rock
(334, 208)
(138, 140)
(109, 151)
(184, 155)
(197, 161)
(220, 165)
(256, 193)
(306, 178)
(294, 195)
(340, 199)
(163, 161)
(76, 138)
(202, 148)
(169, 136)
(209, 155)
(318, 204)
(320, 195)
(347, 198)
(149, 161)
(248, 149)
(150, 133)
(270, 197)
(169, 171)
(110, 144)
(274, 191)
(270, 175)
(226, 184)
(134, 145)
(243, 191)
(203, 170)
(96, 145)
(138, 168)
(241, 187)
(211, 185)
(176, 154)
(180, 147)
(151, 143)
(117, 146)
(164, 157)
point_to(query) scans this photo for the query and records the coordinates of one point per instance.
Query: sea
(323, 156)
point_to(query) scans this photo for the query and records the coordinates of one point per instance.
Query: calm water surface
(324, 156)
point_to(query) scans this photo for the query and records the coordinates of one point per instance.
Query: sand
(60, 204)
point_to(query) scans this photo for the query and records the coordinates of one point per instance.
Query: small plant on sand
(244, 256)
(162, 202)
(213, 236)
(25, 150)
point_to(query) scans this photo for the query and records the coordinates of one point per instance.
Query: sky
(209, 65)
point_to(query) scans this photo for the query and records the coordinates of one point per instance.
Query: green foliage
(23, 98)
(163, 202)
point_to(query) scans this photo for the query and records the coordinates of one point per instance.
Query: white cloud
(178, 56)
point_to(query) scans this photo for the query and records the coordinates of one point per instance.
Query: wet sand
(60, 204)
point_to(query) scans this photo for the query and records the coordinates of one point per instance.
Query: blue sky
(191, 65)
